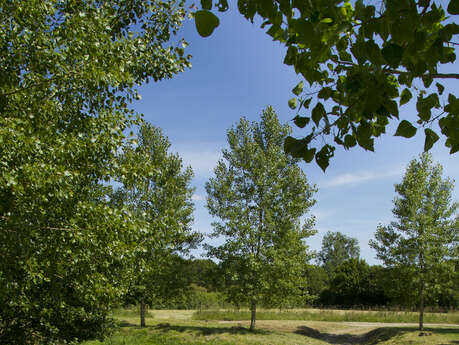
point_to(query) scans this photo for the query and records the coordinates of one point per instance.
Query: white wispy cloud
(361, 177)
(202, 157)
(198, 197)
(322, 214)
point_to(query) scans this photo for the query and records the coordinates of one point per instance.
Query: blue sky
(238, 71)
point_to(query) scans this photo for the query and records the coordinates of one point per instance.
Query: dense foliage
(336, 249)
(363, 61)
(157, 191)
(68, 72)
(259, 196)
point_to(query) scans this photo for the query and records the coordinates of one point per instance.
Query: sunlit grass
(329, 315)
(279, 332)
(175, 327)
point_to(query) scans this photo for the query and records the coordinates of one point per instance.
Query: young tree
(160, 195)
(337, 248)
(69, 69)
(260, 196)
(424, 236)
(363, 62)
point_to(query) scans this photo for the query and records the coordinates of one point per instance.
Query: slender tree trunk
(142, 312)
(421, 307)
(253, 309)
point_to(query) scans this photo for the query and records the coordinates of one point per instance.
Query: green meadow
(300, 326)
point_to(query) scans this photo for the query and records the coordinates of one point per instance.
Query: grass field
(329, 315)
(178, 327)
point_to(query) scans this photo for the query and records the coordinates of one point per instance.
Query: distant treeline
(353, 284)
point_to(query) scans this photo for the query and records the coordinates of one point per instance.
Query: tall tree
(424, 237)
(336, 249)
(260, 196)
(363, 61)
(160, 195)
(69, 69)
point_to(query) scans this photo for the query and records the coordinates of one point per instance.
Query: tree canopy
(158, 192)
(69, 70)
(260, 197)
(362, 63)
(423, 240)
(336, 249)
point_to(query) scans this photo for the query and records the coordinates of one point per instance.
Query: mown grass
(175, 327)
(329, 315)
(280, 332)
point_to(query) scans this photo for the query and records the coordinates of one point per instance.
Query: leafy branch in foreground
(363, 63)
(69, 70)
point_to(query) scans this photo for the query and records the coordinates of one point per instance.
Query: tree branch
(396, 71)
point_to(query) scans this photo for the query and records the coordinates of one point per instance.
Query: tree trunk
(421, 307)
(142, 312)
(253, 310)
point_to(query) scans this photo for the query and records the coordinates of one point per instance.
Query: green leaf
(308, 155)
(325, 93)
(405, 129)
(317, 113)
(373, 52)
(359, 51)
(440, 88)
(327, 20)
(338, 140)
(324, 155)
(405, 96)
(424, 106)
(431, 138)
(301, 121)
(206, 22)
(206, 4)
(298, 89)
(295, 147)
(291, 56)
(453, 7)
(424, 3)
(293, 103)
(363, 135)
(349, 141)
(392, 53)
(305, 104)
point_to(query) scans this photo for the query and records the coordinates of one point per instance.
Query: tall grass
(328, 315)
(132, 311)
(136, 337)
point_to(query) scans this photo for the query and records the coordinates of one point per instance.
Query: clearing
(177, 327)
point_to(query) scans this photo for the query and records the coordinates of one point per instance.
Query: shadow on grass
(371, 338)
(208, 330)
(199, 330)
(124, 323)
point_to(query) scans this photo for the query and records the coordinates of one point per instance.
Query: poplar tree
(68, 73)
(159, 194)
(422, 241)
(260, 197)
